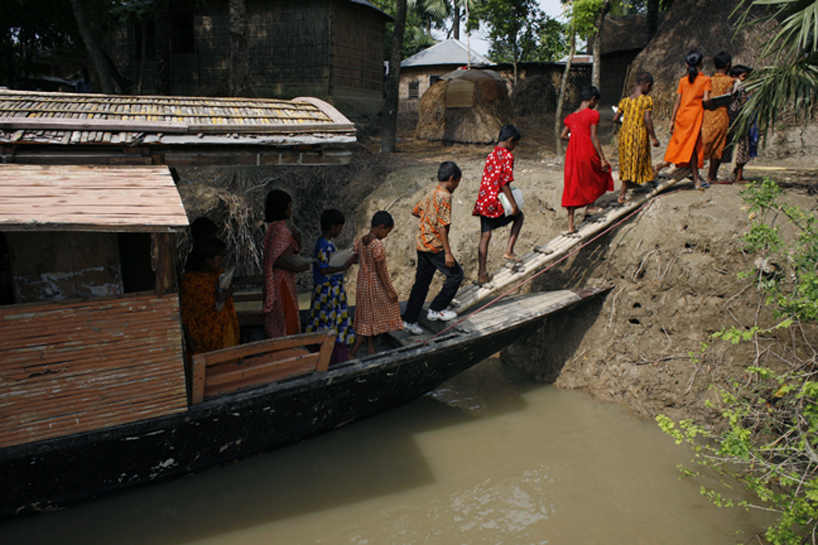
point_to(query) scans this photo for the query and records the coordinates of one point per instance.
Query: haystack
(534, 96)
(465, 106)
(695, 24)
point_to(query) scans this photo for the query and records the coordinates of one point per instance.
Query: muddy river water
(490, 457)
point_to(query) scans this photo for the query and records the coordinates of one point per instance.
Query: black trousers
(428, 263)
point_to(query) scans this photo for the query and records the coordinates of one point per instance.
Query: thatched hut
(465, 106)
(694, 24)
(535, 95)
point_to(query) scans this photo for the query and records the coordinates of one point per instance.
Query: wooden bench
(258, 363)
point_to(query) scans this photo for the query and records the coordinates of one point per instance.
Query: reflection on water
(490, 457)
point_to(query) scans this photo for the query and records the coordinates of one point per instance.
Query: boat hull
(51, 474)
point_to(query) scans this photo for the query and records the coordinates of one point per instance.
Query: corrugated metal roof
(89, 198)
(95, 119)
(447, 52)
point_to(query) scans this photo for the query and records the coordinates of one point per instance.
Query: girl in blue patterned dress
(329, 309)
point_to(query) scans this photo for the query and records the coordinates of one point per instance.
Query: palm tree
(790, 80)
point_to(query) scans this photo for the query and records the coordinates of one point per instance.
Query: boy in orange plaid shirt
(434, 253)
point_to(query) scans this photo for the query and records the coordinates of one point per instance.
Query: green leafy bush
(769, 441)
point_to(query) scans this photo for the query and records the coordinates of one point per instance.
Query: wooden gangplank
(546, 254)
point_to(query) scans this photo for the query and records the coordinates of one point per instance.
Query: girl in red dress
(587, 173)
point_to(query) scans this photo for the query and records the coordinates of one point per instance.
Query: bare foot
(482, 282)
(512, 257)
(623, 200)
(594, 210)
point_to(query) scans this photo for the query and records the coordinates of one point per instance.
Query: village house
(424, 69)
(330, 49)
(622, 40)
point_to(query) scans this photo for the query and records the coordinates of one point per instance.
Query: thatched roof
(625, 33)
(694, 24)
(469, 107)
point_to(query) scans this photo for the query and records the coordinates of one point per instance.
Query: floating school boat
(95, 394)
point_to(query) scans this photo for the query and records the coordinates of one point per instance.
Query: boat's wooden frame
(48, 475)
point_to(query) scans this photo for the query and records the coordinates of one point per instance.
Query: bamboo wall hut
(694, 24)
(330, 49)
(466, 106)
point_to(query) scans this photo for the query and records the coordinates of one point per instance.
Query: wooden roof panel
(89, 198)
(72, 118)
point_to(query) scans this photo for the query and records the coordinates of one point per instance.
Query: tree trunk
(597, 49)
(456, 23)
(390, 121)
(652, 18)
(162, 24)
(563, 86)
(95, 54)
(239, 57)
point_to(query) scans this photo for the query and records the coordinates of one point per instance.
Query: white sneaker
(414, 329)
(442, 315)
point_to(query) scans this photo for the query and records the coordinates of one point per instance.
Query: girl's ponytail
(693, 60)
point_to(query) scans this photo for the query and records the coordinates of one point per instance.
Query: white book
(225, 279)
(518, 198)
(340, 258)
(297, 261)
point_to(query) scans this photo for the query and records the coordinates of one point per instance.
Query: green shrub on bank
(770, 439)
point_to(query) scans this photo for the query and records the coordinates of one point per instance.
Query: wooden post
(163, 258)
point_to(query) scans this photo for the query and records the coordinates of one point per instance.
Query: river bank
(673, 267)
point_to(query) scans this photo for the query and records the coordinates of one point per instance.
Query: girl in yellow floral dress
(634, 152)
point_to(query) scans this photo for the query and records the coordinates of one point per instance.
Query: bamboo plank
(469, 296)
(261, 371)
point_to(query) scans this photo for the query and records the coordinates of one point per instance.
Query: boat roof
(117, 129)
(89, 198)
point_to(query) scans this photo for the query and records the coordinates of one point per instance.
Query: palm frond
(776, 89)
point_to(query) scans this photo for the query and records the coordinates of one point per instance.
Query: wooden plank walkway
(546, 254)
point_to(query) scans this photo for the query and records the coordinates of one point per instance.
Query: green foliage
(769, 439)
(519, 31)
(28, 33)
(790, 79)
(583, 14)
(419, 22)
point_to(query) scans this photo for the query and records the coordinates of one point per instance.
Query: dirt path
(673, 269)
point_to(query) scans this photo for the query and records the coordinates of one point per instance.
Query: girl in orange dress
(717, 121)
(685, 147)
(587, 173)
(208, 315)
(377, 309)
(280, 297)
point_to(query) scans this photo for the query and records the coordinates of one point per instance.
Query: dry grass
(479, 124)
(534, 96)
(233, 198)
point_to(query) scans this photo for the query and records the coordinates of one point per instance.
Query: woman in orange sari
(280, 296)
(685, 147)
(208, 315)
(717, 121)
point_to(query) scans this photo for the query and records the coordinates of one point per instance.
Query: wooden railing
(255, 364)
